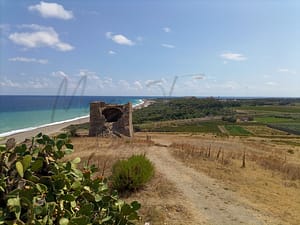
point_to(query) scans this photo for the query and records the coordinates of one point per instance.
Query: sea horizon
(159, 96)
(20, 113)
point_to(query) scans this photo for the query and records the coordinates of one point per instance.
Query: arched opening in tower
(112, 114)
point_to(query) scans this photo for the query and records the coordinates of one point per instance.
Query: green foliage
(182, 108)
(72, 129)
(273, 108)
(237, 130)
(194, 127)
(231, 119)
(292, 128)
(273, 119)
(270, 101)
(131, 174)
(37, 187)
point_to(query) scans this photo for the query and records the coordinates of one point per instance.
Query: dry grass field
(199, 179)
(161, 202)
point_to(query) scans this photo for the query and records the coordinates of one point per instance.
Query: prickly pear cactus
(37, 187)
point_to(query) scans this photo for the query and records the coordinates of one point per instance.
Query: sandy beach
(55, 128)
(51, 129)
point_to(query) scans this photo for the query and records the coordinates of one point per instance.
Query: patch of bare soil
(222, 129)
(163, 204)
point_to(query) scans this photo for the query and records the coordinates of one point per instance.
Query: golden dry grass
(264, 181)
(161, 202)
(264, 186)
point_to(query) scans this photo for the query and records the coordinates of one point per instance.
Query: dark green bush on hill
(131, 174)
(37, 187)
(182, 108)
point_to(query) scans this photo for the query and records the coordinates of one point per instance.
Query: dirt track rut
(210, 200)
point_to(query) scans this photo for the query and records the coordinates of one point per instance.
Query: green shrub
(231, 119)
(291, 151)
(37, 187)
(131, 174)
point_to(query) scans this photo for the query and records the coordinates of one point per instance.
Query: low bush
(231, 119)
(131, 174)
(37, 187)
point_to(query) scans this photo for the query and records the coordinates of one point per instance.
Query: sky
(150, 48)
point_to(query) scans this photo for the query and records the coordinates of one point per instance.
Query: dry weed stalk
(90, 157)
(188, 151)
(218, 154)
(244, 160)
(271, 162)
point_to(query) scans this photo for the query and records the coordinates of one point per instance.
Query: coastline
(21, 135)
(144, 103)
(47, 129)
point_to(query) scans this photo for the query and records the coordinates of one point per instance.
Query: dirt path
(210, 200)
(222, 129)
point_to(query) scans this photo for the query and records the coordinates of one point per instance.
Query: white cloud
(124, 84)
(271, 83)
(31, 83)
(39, 36)
(119, 39)
(230, 85)
(37, 83)
(51, 10)
(9, 83)
(60, 74)
(149, 83)
(157, 86)
(167, 29)
(167, 46)
(266, 76)
(28, 60)
(233, 56)
(89, 74)
(111, 52)
(106, 82)
(138, 85)
(198, 77)
(285, 70)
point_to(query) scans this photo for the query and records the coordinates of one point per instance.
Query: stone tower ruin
(110, 119)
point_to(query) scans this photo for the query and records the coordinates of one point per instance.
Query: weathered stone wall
(108, 119)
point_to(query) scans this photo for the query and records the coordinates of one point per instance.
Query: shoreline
(46, 129)
(58, 126)
(145, 103)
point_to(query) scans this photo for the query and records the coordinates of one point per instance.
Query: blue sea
(21, 113)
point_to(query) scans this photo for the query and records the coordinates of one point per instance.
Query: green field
(266, 117)
(236, 130)
(200, 127)
(272, 119)
(279, 109)
(293, 128)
